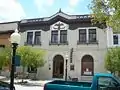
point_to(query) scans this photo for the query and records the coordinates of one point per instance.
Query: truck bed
(72, 83)
(67, 85)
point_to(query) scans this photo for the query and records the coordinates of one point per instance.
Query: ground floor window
(87, 65)
(32, 70)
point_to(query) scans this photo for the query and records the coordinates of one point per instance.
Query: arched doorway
(58, 66)
(87, 66)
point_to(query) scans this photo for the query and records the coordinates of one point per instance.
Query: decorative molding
(59, 26)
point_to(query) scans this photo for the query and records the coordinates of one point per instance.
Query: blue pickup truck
(101, 81)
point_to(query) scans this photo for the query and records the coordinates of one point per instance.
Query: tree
(37, 59)
(30, 57)
(112, 60)
(107, 11)
(5, 57)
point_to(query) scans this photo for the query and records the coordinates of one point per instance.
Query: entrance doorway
(58, 66)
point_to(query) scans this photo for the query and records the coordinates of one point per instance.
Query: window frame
(64, 41)
(114, 39)
(35, 38)
(52, 35)
(92, 34)
(33, 31)
(32, 38)
(82, 34)
(59, 37)
(87, 35)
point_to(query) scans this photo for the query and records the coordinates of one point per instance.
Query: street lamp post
(66, 67)
(15, 40)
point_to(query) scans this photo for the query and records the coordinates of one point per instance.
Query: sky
(14, 10)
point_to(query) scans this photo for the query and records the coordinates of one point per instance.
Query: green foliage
(5, 56)
(31, 57)
(25, 53)
(37, 57)
(107, 11)
(112, 59)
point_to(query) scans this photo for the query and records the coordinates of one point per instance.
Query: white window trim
(87, 32)
(33, 34)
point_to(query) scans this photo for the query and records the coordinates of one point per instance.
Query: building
(6, 29)
(62, 34)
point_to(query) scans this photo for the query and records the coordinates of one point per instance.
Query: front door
(58, 66)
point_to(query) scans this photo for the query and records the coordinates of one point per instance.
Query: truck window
(106, 82)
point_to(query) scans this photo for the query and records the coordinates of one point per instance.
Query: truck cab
(103, 81)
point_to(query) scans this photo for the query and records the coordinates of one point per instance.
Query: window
(104, 83)
(2, 46)
(32, 70)
(54, 37)
(63, 36)
(82, 35)
(34, 37)
(37, 40)
(29, 38)
(92, 35)
(87, 65)
(115, 39)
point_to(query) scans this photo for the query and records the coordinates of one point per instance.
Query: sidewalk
(30, 82)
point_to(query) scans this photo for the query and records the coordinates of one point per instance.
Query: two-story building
(62, 34)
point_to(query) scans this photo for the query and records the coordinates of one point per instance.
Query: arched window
(87, 66)
(58, 66)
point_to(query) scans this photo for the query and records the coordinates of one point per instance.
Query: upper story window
(37, 38)
(29, 38)
(34, 38)
(115, 39)
(54, 36)
(59, 37)
(63, 36)
(82, 35)
(92, 35)
(87, 36)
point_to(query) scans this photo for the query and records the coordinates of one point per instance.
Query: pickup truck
(100, 81)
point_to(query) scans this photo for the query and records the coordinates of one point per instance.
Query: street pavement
(21, 87)
(31, 85)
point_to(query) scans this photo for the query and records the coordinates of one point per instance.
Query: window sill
(81, 43)
(26, 44)
(51, 43)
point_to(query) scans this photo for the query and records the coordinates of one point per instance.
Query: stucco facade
(96, 50)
